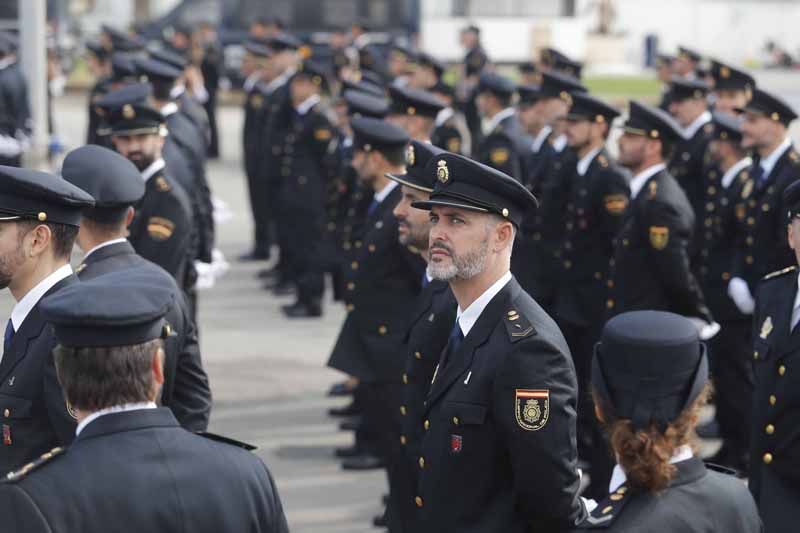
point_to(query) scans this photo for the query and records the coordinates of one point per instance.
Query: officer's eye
(434, 219)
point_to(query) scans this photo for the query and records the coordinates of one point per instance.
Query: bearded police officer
(498, 452)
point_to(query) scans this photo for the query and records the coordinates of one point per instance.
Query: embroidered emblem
(454, 145)
(456, 443)
(128, 112)
(652, 189)
(159, 228)
(322, 134)
(162, 185)
(442, 172)
(499, 156)
(766, 328)
(615, 203)
(532, 408)
(410, 156)
(659, 237)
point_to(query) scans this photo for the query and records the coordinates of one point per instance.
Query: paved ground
(268, 374)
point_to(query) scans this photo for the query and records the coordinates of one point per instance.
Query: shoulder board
(779, 273)
(227, 440)
(162, 185)
(724, 470)
(517, 326)
(20, 474)
(607, 510)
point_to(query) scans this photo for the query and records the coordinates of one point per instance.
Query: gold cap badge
(128, 111)
(442, 172)
(410, 156)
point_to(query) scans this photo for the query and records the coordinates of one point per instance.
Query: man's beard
(140, 160)
(9, 264)
(413, 237)
(465, 266)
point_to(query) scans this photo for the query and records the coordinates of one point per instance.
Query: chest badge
(532, 408)
(766, 328)
(456, 443)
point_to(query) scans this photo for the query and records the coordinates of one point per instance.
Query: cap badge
(566, 97)
(410, 156)
(532, 408)
(766, 328)
(725, 72)
(442, 172)
(128, 112)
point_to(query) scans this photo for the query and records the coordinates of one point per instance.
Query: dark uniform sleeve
(20, 512)
(542, 448)
(500, 154)
(274, 506)
(666, 237)
(167, 236)
(191, 395)
(62, 421)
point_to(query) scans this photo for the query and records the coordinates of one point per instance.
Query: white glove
(9, 146)
(705, 330)
(740, 294)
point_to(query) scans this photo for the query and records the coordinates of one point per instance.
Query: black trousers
(305, 255)
(260, 207)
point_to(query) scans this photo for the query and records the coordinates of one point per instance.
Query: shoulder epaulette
(20, 474)
(517, 326)
(779, 273)
(607, 510)
(724, 470)
(227, 440)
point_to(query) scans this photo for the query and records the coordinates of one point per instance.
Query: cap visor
(405, 179)
(448, 203)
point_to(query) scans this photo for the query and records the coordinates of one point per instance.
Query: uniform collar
(103, 245)
(540, 139)
(641, 178)
(32, 297)
(381, 195)
(124, 408)
(583, 164)
(731, 173)
(251, 81)
(444, 115)
(155, 167)
(769, 162)
(559, 143)
(306, 106)
(618, 476)
(280, 80)
(467, 318)
(699, 122)
(498, 118)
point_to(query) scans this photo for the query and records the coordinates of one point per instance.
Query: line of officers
(688, 219)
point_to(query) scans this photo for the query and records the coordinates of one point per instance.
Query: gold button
(770, 429)
(7, 413)
(371, 247)
(418, 501)
(749, 259)
(608, 510)
(755, 354)
(455, 420)
(422, 462)
(382, 330)
(354, 265)
(610, 284)
(772, 399)
(403, 410)
(781, 370)
(417, 355)
(351, 286)
(349, 307)
(358, 244)
(405, 379)
(598, 276)
(767, 458)
(610, 304)
(616, 497)
(403, 440)
(426, 425)
(625, 242)
(567, 264)
(622, 490)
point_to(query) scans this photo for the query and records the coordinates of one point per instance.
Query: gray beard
(461, 267)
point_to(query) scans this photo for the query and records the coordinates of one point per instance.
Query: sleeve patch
(159, 228)
(322, 134)
(532, 408)
(499, 156)
(454, 145)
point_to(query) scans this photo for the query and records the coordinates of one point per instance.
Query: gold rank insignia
(652, 189)
(499, 156)
(454, 145)
(159, 228)
(70, 410)
(410, 156)
(442, 172)
(322, 134)
(162, 185)
(128, 112)
(766, 328)
(747, 189)
(256, 101)
(532, 408)
(615, 203)
(659, 237)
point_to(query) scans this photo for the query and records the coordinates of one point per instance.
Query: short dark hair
(105, 222)
(64, 235)
(666, 150)
(395, 156)
(99, 377)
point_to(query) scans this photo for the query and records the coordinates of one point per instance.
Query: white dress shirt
(381, 195)
(307, 104)
(583, 164)
(467, 318)
(618, 476)
(251, 81)
(154, 167)
(731, 173)
(699, 122)
(559, 143)
(540, 138)
(768, 163)
(114, 409)
(796, 308)
(495, 120)
(641, 178)
(443, 116)
(24, 306)
(103, 245)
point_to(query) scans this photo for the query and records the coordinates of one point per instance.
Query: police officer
(732, 87)
(15, 113)
(116, 186)
(450, 129)
(552, 60)
(309, 164)
(730, 353)
(110, 359)
(650, 267)
(474, 63)
(650, 377)
(39, 218)
(773, 474)
(99, 61)
(161, 229)
(381, 270)
(498, 449)
(664, 73)
(414, 110)
(760, 246)
(428, 71)
(686, 63)
(596, 204)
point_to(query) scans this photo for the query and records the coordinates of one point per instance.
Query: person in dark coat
(498, 452)
(39, 218)
(650, 379)
(774, 459)
(131, 466)
(15, 110)
(116, 186)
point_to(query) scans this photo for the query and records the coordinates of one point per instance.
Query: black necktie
(9, 335)
(453, 342)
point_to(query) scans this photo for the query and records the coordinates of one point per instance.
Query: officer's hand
(705, 330)
(740, 294)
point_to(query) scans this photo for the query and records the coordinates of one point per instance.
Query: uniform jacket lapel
(478, 335)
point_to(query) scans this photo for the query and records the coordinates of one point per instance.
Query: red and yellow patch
(532, 408)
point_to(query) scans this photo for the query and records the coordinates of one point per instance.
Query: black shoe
(284, 288)
(709, 430)
(381, 520)
(302, 310)
(363, 462)
(341, 389)
(271, 283)
(351, 424)
(348, 410)
(349, 451)
(268, 274)
(255, 255)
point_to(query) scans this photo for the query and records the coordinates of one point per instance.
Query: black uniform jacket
(596, 207)
(382, 282)
(185, 391)
(140, 471)
(161, 230)
(498, 451)
(775, 442)
(34, 415)
(506, 148)
(650, 268)
(689, 167)
(762, 246)
(698, 500)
